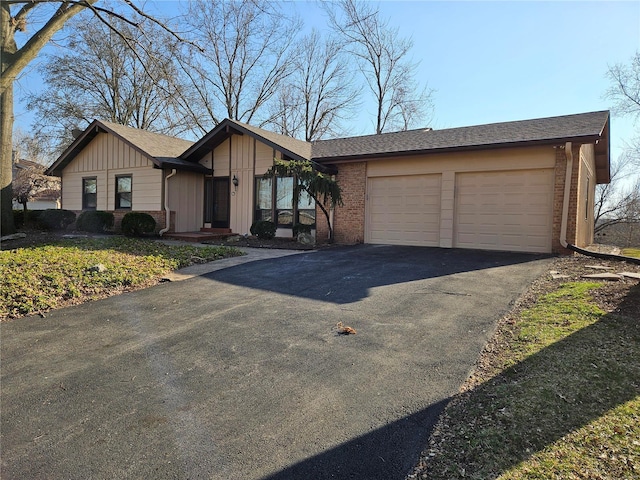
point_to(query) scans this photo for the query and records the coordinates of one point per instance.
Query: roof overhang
(601, 142)
(97, 127)
(603, 155)
(224, 130)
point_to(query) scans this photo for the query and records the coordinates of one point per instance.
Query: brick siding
(349, 219)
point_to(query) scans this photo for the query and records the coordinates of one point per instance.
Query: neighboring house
(499, 186)
(46, 196)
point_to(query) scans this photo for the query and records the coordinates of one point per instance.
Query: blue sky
(499, 61)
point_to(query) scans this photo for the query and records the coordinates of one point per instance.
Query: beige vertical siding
(264, 158)
(586, 194)
(221, 159)
(105, 158)
(186, 197)
(242, 165)
(207, 160)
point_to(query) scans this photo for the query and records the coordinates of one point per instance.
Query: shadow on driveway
(344, 275)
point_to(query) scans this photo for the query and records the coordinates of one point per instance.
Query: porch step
(196, 236)
(216, 230)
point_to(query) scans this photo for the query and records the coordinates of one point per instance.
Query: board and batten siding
(104, 158)
(186, 199)
(245, 158)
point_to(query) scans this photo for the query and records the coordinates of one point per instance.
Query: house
(42, 194)
(499, 186)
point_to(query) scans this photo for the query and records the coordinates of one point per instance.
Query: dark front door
(220, 217)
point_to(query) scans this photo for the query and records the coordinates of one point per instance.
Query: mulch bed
(255, 242)
(37, 237)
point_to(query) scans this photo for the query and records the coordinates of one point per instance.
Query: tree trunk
(6, 149)
(13, 61)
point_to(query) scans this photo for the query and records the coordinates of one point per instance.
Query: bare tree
(625, 87)
(318, 95)
(101, 77)
(39, 21)
(612, 202)
(625, 93)
(383, 58)
(244, 56)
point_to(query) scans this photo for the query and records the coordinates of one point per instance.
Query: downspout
(567, 193)
(166, 203)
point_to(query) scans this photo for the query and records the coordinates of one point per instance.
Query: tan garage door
(509, 210)
(404, 210)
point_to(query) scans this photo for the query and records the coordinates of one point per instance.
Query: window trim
(84, 193)
(117, 199)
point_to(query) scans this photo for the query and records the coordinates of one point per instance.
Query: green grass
(631, 252)
(38, 279)
(563, 402)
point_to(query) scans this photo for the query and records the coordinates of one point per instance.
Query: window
(264, 199)
(586, 200)
(306, 209)
(284, 201)
(274, 202)
(89, 193)
(123, 192)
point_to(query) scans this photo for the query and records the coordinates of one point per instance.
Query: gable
(107, 152)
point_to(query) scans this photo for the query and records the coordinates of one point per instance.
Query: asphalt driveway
(240, 374)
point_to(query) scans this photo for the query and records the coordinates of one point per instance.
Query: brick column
(349, 219)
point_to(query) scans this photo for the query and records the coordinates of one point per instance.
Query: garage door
(404, 210)
(509, 210)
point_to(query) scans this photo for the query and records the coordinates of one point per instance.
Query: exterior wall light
(235, 181)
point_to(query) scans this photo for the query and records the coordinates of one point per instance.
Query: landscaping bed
(43, 272)
(251, 241)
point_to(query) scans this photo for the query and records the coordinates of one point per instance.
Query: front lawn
(40, 278)
(556, 393)
(631, 252)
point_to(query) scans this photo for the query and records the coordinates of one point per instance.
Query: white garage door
(509, 210)
(404, 210)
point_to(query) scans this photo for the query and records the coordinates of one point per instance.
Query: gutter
(567, 191)
(166, 202)
(565, 215)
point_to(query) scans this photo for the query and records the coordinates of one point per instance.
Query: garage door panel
(510, 210)
(404, 210)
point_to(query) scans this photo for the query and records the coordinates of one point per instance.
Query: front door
(220, 218)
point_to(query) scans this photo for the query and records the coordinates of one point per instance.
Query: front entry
(217, 202)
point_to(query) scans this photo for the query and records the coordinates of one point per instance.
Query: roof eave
(72, 150)
(451, 149)
(224, 130)
(83, 140)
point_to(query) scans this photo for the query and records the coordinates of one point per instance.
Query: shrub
(299, 228)
(55, 219)
(263, 229)
(20, 220)
(136, 224)
(95, 221)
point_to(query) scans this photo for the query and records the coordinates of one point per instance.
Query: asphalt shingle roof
(154, 144)
(293, 145)
(584, 125)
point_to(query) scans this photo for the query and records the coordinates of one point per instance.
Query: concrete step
(216, 230)
(196, 236)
